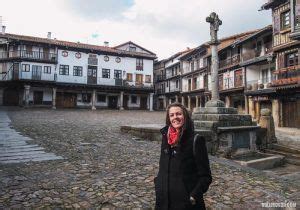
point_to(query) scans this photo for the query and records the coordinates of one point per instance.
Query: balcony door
(238, 78)
(36, 72)
(16, 69)
(92, 75)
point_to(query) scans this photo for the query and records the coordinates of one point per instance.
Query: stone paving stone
(104, 168)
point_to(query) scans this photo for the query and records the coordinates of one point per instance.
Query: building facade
(48, 72)
(286, 82)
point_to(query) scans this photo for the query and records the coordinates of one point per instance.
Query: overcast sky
(162, 26)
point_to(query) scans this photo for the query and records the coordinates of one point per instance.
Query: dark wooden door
(66, 100)
(113, 102)
(291, 113)
(92, 75)
(10, 97)
(16, 69)
(38, 97)
(125, 101)
(143, 102)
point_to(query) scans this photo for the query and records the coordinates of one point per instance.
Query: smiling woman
(183, 175)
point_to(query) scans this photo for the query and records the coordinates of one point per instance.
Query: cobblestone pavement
(103, 167)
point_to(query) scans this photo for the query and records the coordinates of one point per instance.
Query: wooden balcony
(29, 55)
(229, 62)
(287, 76)
(160, 78)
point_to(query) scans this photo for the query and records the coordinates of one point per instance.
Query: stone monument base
(226, 131)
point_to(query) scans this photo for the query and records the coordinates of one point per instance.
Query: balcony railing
(259, 84)
(33, 55)
(160, 91)
(287, 76)
(231, 61)
(160, 78)
(231, 82)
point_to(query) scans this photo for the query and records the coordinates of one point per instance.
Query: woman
(183, 175)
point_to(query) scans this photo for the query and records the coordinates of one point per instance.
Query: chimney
(49, 35)
(3, 29)
(106, 44)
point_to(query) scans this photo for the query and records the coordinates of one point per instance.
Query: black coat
(181, 174)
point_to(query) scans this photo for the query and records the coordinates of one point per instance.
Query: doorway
(113, 102)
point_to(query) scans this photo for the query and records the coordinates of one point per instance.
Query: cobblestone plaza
(102, 167)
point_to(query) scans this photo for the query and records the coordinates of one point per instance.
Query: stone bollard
(267, 122)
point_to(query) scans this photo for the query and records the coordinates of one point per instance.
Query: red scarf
(173, 136)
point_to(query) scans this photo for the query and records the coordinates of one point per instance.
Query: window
(77, 71)
(291, 59)
(25, 67)
(106, 73)
(64, 69)
(177, 83)
(238, 78)
(139, 64)
(118, 74)
(101, 98)
(118, 59)
(148, 78)
(47, 69)
(285, 20)
(132, 49)
(86, 97)
(106, 58)
(264, 75)
(139, 78)
(64, 53)
(129, 77)
(133, 99)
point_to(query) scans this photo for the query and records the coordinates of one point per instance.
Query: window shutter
(276, 22)
(281, 61)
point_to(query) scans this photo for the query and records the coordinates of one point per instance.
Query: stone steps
(286, 148)
(289, 157)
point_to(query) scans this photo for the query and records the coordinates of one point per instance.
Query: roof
(224, 43)
(130, 42)
(77, 45)
(259, 32)
(179, 54)
(272, 4)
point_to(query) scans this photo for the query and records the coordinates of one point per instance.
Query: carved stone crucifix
(215, 22)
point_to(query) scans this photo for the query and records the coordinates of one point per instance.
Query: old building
(286, 82)
(159, 75)
(168, 80)
(49, 72)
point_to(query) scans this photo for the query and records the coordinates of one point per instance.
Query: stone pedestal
(267, 122)
(226, 131)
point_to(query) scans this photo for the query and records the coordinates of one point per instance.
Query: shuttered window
(285, 20)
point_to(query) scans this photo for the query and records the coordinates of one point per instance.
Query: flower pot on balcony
(261, 86)
(255, 86)
(249, 87)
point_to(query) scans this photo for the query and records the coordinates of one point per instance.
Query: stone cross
(215, 22)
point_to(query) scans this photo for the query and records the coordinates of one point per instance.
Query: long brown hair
(188, 123)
